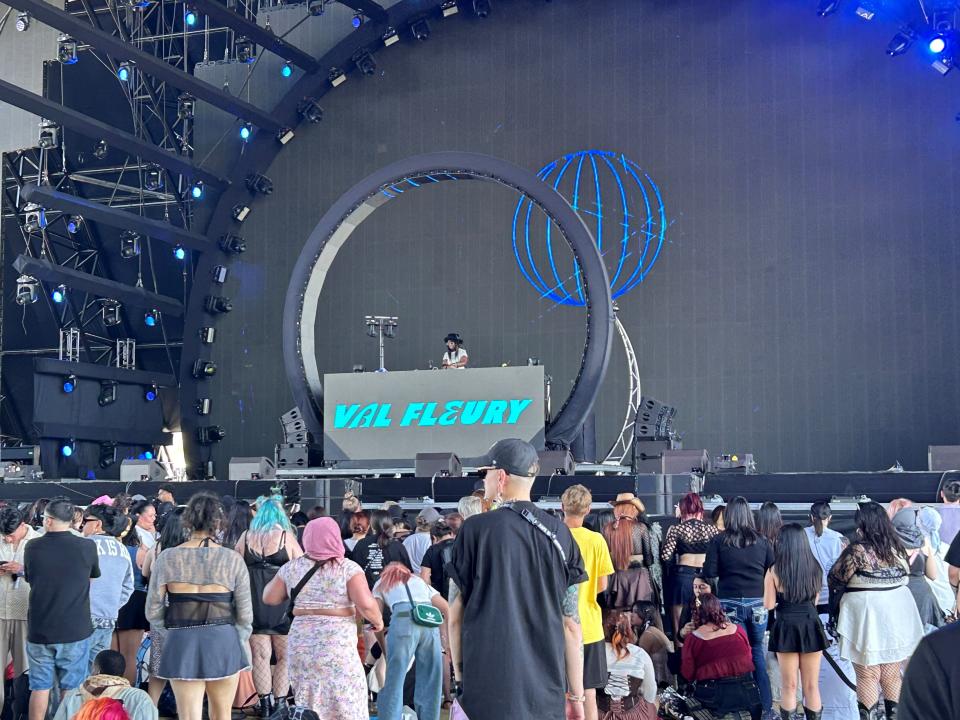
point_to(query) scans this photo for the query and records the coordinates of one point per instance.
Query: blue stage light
(66, 448)
(937, 45)
(69, 383)
(357, 20)
(59, 293)
(148, 455)
(190, 17)
(179, 253)
(151, 318)
(286, 70)
(150, 394)
(196, 190)
(123, 72)
(246, 131)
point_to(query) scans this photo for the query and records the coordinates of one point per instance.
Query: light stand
(380, 327)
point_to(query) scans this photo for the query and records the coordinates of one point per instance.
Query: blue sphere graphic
(618, 201)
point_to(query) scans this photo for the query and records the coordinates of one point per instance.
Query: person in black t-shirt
(438, 555)
(379, 549)
(515, 634)
(59, 566)
(931, 684)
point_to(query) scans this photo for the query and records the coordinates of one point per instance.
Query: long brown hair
(619, 535)
(618, 630)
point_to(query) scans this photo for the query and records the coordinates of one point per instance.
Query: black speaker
(654, 420)
(941, 458)
(298, 455)
(557, 462)
(439, 464)
(678, 462)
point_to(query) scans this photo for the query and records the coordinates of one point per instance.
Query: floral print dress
(322, 659)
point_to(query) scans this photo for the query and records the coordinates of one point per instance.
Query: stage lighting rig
(420, 29)
(23, 22)
(232, 244)
(357, 21)
(151, 318)
(151, 393)
(244, 50)
(204, 369)
(220, 273)
(69, 384)
(286, 70)
(208, 335)
(73, 223)
(67, 448)
(190, 16)
(827, 7)
(866, 9)
(481, 8)
(35, 218)
(110, 312)
(49, 136)
(390, 37)
(59, 294)
(108, 393)
(449, 8)
(309, 109)
(129, 244)
(316, 8)
(901, 42)
(365, 62)
(210, 434)
(153, 178)
(180, 253)
(67, 50)
(380, 327)
(100, 149)
(246, 132)
(258, 183)
(284, 135)
(196, 191)
(125, 71)
(185, 106)
(108, 454)
(217, 304)
(240, 212)
(203, 406)
(28, 289)
(336, 77)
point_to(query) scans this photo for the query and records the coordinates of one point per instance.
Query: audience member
(630, 690)
(102, 709)
(165, 494)
(146, 517)
(379, 549)
(576, 502)
(59, 567)
(950, 511)
(769, 521)
(929, 521)
(359, 528)
(401, 528)
(106, 681)
(132, 619)
(438, 555)
(516, 567)
(407, 641)
(326, 592)
(14, 590)
(922, 566)
(628, 538)
(716, 516)
(931, 683)
(469, 506)
(791, 589)
(416, 544)
(454, 521)
(685, 547)
(878, 623)
(740, 557)
(111, 591)
(236, 522)
(34, 515)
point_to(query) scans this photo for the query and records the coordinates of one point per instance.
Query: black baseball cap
(513, 456)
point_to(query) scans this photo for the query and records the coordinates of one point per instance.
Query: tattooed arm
(453, 627)
(573, 641)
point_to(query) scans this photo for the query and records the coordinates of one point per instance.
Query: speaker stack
(298, 450)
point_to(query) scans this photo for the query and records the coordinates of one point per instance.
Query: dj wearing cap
(516, 570)
(455, 357)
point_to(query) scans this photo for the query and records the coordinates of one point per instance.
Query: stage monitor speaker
(654, 420)
(440, 464)
(251, 468)
(678, 462)
(142, 471)
(298, 455)
(328, 493)
(557, 462)
(941, 458)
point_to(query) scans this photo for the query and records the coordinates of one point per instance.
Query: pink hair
(102, 709)
(691, 506)
(396, 573)
(897, 505)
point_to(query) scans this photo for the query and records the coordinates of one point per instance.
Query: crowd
(496, 610)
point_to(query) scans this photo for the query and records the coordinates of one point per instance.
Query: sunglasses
(88, 520)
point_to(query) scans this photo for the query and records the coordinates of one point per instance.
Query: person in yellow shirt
(576, 501)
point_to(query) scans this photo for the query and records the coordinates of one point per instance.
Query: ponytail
(819, 513)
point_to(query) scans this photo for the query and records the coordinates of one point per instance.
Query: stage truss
(620, 450)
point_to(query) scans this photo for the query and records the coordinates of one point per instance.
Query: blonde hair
(576, 500)
(469, 506)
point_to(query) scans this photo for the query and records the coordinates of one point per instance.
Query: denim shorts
(70, 662)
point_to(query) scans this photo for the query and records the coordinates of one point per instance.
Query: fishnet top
(859, 568)
(641, 543)
(687, 537)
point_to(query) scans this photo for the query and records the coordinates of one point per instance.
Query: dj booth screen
(395, 415)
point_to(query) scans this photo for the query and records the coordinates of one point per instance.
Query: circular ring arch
(377, 189)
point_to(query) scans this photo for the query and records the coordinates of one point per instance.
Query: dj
(455, 356)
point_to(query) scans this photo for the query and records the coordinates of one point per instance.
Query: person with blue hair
(269, 543)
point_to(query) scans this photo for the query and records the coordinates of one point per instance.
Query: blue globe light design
(618, 201)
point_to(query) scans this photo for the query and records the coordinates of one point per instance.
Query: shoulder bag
(423, 614)
(300, 585)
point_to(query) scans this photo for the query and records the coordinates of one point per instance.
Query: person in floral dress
(322, 660)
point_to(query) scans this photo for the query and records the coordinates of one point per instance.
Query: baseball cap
(513, 456)
(428, 515)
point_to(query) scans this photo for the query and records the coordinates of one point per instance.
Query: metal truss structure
(619, 452)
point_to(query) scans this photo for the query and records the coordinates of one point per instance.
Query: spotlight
(151, 393)
(481, 8)
(59, 294)
(827, 7)
(357, 21)
(337, 77)
(208, 335)
(246, 131)
(69, 384)
(421, 29)
(309, 109)
(151, 318)
(179, 253)
(108, 393)
(129, 244)
(27, 290)
(210, 434)
(220, 274)
(258, 183)
(203, 406)
(108, 454)
(67, 447)
(449, 8)
(937, 44)
(365, 62)
(185, 106)
(901, 42)
(23, 21)
(35, 217)
(315, 7)
(284, 135)
(204, 369)
(125, 72)
(100, 149)
(390, 37)
(67, 50)
(287, 70)
(153, 178)
(49, 137)
(232, 244)
(240, 212)
(110, 311)
(197, 190)
(244, 50)
(73, 223)
(190, 16)
(217, 304)
(145, 455)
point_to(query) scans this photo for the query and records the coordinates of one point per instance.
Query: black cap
(513, 456)
(454, 337)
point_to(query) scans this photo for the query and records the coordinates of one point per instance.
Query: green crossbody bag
(423, 613)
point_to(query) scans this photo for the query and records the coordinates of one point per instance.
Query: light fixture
(129, 244)
(365, 62)
(210, 434)
(449, 8)
(246, 131)
(110, 312)
(481, 8)
(69, 384)
(309, 109)
(203, 406)
(179, 253)
(151, 393)
(357, 21)
(27, 290)
(208, 335)
(244, 50)
(937, 44)
(901, 42)
(232, 244)
(286, 70)
(185, 106)
(49, 136)
(240, 212)
(108, 393)
(390, 37)
(23, 21)
(866, 9)
(420, 29)
(220, 274)
(827, 7)
(35, 217)
(217, 304)
(73, 223)
(100, 149)
(108, 454)
(153, 178)
(151, 318)
(190, 16)
(125, 71)
(59, 293)
(197, 190)
(259, 183)
(284, 135)
(145, 455)
(67, 448)
(315, 7)
(337, 77)
(204, 369)
(67, 50)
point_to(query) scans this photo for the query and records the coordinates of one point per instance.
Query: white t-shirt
(420, 591)
(147, 538)
(416, 546)
(449, 358)
(637, 664)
